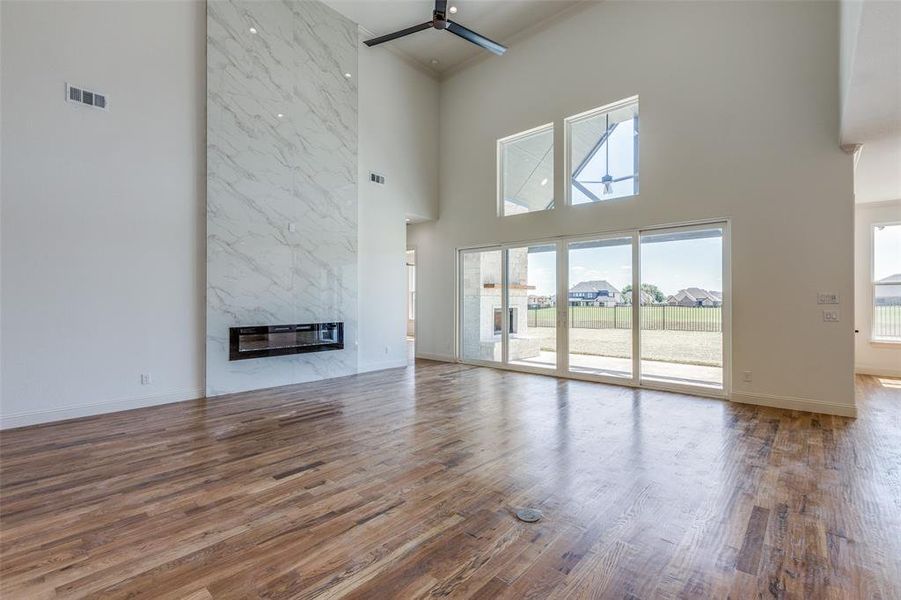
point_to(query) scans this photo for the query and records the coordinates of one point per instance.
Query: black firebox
(279, 340)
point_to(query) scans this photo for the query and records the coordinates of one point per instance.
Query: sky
(621, 162)
(671, 266)
(886, 251)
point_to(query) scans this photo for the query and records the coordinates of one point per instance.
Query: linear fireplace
(279, 340)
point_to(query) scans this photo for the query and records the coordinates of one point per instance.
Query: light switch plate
(831, 316)
(827, 298)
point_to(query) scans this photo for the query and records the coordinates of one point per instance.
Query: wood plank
(403, 483)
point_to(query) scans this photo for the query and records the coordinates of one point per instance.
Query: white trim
(381, 365)
(408, 59)
(500, 165)
(876, 371)
(871, 305)
(567, 150)
(438, 357)
(795, 403)
(562, 369)
(878, 204)
(97, 408)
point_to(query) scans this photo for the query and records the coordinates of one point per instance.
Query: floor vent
(528, 515)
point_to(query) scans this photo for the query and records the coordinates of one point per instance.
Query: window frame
(567, 150)
(500, 167)
(874, 339)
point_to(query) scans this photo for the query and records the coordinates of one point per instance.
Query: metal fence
(653, 317)
(886, 321)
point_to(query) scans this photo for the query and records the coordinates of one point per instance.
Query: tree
(650, 289)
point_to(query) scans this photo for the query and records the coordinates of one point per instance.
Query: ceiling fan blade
(476, 38)
(398, 34)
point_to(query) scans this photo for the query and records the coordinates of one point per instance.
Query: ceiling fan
(440, 21)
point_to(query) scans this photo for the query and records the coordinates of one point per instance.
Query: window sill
(602, 202)
(885, 342)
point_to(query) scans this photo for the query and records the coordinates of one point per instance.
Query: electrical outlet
(746, 377)
(831, 316)
(146, 379)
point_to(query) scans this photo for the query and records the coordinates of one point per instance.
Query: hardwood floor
(400, 484)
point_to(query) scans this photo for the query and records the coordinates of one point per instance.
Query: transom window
(887, 282)
(603, 153)
(526, 167)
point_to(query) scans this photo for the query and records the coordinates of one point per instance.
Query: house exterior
(536, 301)
(644, 297)
(594, 293)
(694, 296)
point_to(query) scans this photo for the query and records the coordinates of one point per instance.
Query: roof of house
(644, 297)
(597, 285)
(695, 294)
(702, 294)
(681, 295)
(896, 278)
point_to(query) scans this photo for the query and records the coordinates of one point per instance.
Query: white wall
(102, 211)
(739, 120)
(398, 104)
(103, 265)
(869, 357)
(877, 176)
(850, 14)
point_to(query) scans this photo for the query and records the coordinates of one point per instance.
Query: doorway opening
(411, 305)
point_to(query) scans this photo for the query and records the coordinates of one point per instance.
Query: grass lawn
(683, 347)
(686, 318)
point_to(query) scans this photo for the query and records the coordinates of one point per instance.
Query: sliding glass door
(531, 306)
(481, 303)
(646, 307)
(682, 306)
(600, 310)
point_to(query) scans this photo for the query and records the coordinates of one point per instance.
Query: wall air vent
(376, 178)
(82, 96)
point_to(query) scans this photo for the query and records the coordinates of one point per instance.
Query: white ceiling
(877, 177)
(871, 112)
(872, 107)
(499, 20)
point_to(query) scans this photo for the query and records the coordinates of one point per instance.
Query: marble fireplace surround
(281, 184)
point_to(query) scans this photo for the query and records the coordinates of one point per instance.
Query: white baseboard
(86, 410)
(438, 357)
(794, 403)
(381, 365)
(876, 371)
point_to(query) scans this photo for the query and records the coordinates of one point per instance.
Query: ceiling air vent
(85, 97)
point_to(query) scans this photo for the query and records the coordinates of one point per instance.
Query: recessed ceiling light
(347, 75)
(253, 30)
(279, 115)
(544, 181)
(434, 62)
(453, 10)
